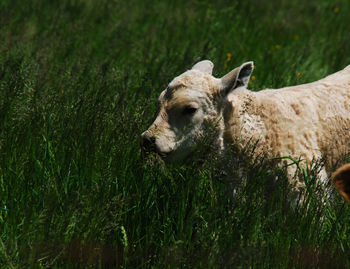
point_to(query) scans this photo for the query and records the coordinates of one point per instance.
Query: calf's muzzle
(148, 142)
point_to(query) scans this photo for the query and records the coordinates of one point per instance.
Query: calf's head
(191, 102)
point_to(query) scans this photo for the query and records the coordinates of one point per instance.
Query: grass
(78, 85)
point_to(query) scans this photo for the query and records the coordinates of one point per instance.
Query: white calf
(307, 122)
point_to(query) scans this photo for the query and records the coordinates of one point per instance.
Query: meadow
(79, 82)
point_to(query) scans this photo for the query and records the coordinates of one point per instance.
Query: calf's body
(309, 121)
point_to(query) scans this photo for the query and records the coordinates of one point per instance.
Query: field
(78, 85)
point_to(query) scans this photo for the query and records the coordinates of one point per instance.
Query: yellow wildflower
(299, 75)
(336, 10)
(229, 55)
(62, 91)
(277, 47)
(252, 77)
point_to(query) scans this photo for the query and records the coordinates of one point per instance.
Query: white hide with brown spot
(307, 122)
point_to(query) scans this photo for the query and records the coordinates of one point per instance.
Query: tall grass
(78, 84)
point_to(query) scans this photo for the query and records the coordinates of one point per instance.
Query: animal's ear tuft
(238, 77)
(205, 66)
(341, 179)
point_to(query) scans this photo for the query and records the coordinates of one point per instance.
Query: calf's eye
(189, 110)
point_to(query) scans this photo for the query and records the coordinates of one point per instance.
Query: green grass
(78, 85)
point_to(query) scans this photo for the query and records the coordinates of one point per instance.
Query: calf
(300, 122)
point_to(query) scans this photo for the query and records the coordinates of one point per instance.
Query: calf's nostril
(148, 143)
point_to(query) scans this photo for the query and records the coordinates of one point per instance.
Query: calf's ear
(238, 77)
(205, 66)
(341, 180)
